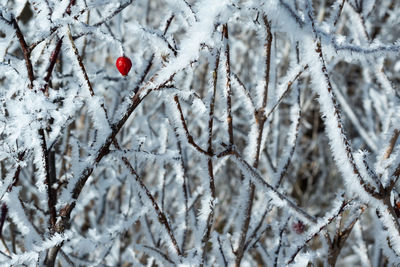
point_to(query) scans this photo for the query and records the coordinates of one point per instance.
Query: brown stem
(146, 71)
(71, 3)
(256, 178)
(4, 210)
(337, 17)
(391, 211)
(338, 242)
(267, 46)
(392, 143)
(165, 256)
(289, 158)
(55, 28)
(17, 172)
(168, 24)
(370, 189)
(378, 26)
(65, 212)
(293, 256)
(52, 199)
(184, 190)
(395, 176)
(160, 215)
(260, 121)
(222, 252)
(45, 153)
(80, 62)
(53, 59)
(189, 137)
(244, 90)
(289, 86)
(114, 13)
(26, 51)
(245, 227)
(228, 83)
(52, 255)
(210, 150)
(278, 248)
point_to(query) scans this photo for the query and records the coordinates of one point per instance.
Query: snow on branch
(199, 133)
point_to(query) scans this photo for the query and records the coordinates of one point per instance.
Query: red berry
(124, 65)
(298, 227)
(397, 208)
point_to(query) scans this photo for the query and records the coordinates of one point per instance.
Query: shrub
(246, 132)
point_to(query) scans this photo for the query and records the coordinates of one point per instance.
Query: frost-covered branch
(199, 133)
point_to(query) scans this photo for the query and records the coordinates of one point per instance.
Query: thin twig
(146, 71)
(267, 46)
(340, 9)
(163, 255)
(160, 215)
(244, 90)
(80, 62)
(260, 121)
(210, 150)
(188, 135)
(288, 87)
(339, 240)
(51, 194)
(229, 120)
(26, 51)
(53, 59)
(184, 190)
(299, 248)
(256, 178)
(222, 252)
(292, 149)
(254, 235)
(278, 248)
(114, 13)
(392, 143)
(168, 24)
(370, 189)
(65, 212)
